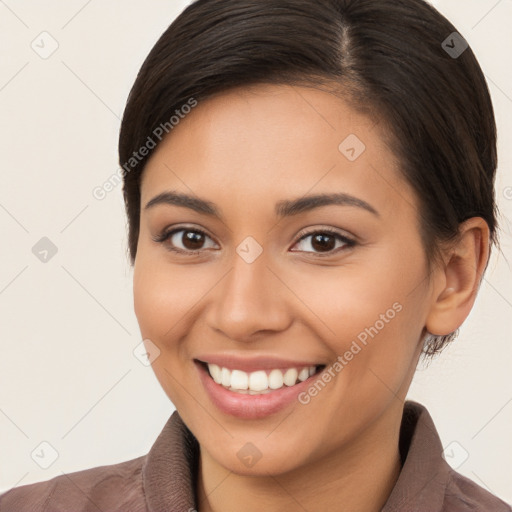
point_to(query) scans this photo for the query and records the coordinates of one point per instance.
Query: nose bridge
(249, 297)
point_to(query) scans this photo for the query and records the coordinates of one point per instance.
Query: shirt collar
(170, 470)
(424, 475)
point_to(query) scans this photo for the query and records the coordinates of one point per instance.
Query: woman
(309, 187)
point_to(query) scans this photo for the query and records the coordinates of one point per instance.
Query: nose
(249, 301)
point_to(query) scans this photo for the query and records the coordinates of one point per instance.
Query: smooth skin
(245, 150)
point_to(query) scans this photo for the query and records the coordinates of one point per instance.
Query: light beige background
(68, 375)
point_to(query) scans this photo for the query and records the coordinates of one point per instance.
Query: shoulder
(427, 482)
(463, 494)
(104, 488)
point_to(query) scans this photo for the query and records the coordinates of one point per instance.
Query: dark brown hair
(397, 61)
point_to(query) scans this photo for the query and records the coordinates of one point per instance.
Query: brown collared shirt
(165, 478)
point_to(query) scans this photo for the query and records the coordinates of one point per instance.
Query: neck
(359, 477)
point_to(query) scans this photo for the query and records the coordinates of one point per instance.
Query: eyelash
(349, 243)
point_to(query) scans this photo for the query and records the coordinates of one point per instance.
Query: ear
(459, 279)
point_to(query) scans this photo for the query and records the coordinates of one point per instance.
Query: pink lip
(252, 364)
(247, 406)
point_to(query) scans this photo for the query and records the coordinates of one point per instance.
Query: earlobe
(462, 273)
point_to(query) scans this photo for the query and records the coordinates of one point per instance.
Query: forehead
(267, 141)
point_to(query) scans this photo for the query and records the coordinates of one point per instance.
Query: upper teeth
(258, 381)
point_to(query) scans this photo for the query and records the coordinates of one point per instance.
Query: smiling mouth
(260, 381)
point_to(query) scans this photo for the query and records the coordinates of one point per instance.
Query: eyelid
(324, 229)
(165, 234)
(347, 240)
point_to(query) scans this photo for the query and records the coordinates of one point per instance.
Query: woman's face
(276, 287)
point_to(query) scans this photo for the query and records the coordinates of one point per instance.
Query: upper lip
(254, 363)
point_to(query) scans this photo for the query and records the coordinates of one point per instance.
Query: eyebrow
(284, 208)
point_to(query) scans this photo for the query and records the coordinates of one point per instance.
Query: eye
(324, 240)
(189, 241)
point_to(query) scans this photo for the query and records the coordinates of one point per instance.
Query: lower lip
(247, 406)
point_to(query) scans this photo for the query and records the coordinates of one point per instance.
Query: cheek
(346, 300)
(163, 303)
(372, 313)
(163, 296)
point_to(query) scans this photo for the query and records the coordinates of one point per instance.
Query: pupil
(192, 240)
(321, 241)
